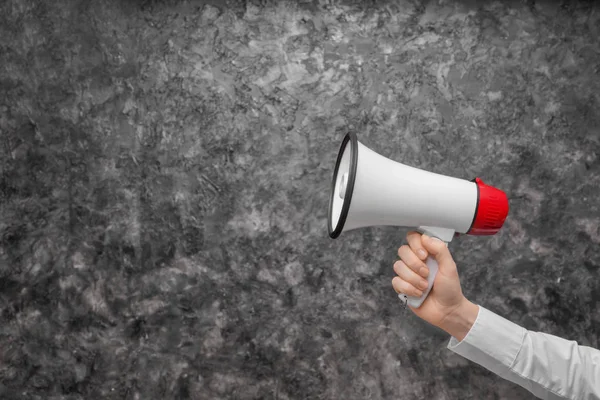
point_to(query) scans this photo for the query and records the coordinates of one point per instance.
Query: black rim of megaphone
(350, 137)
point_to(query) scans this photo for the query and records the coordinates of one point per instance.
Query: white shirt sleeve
(548, 366)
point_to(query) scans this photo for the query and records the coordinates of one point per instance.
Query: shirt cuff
(492, 342)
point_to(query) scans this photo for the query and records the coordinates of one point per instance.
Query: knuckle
(415, 282)
(397, 284)
(413, 236)
(405, 253)
(410, 289)
(402, 272)
(414, 279)
(415, 264)
(403, 286)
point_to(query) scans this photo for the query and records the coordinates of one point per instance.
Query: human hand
(445, 307)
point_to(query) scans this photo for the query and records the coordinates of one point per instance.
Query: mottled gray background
(165, 168)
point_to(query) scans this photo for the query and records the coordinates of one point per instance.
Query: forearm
(548, 366)
(558, 367)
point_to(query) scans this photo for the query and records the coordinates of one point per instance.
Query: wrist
(460, 320)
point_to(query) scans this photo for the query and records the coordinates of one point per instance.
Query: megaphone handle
(445, 235)
(416, 302)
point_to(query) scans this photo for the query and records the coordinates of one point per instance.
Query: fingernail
(421, 253)
(423, 285)
(424, 272)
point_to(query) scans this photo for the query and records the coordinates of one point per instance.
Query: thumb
(439, 250)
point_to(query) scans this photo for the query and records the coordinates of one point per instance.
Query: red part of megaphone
(492, 209)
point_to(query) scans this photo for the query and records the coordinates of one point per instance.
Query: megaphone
(369, 189)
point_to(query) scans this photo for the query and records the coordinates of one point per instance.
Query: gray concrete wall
(165, 169)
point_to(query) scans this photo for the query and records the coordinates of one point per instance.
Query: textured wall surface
(164, 178)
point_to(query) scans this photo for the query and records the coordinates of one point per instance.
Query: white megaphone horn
(369, 189)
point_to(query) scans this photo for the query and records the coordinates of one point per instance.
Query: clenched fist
(445, 307)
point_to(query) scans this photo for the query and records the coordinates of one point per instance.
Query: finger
(401, 286)
(439, 250)
(411, 259)
(410, 276)
(415, 243)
